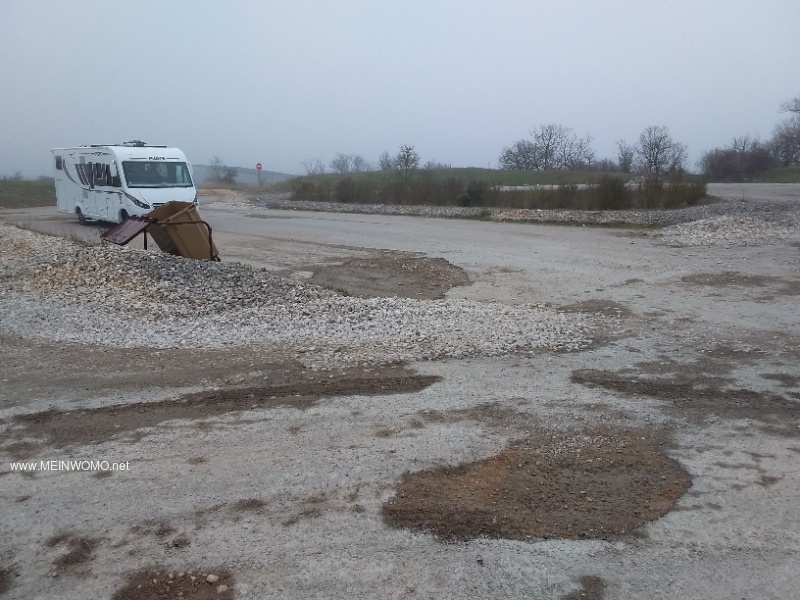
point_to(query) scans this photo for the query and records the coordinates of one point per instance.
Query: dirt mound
(164, 584)
(396, 274)
(556, 486)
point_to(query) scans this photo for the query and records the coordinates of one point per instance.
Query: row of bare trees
(745, 157)
(555, 147)
(404, 162)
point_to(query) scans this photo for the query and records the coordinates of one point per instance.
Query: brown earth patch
(776, 412)
(396, 274)
(784, 379)
(785, 287)
(249, 505)
(728, 278)
(312, 508)
(79, 550)
(607, 308)
(164, 584)
(5, 580)
(493, 414)
(592, 588)
(558, 485)
(95, 425)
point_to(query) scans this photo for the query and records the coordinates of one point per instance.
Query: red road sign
(258, 166)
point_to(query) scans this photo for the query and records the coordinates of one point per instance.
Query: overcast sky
(285, 81)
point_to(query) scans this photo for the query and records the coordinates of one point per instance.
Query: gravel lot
(603, 412)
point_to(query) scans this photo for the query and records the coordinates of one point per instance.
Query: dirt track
(435, 479)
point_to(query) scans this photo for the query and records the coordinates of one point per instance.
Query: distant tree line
(555, 147)
(655, 155)
(745, 157)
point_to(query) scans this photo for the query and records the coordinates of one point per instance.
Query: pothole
(559, 485)
(607, 308)
(396, 274)
(80, 551)
(160, 584)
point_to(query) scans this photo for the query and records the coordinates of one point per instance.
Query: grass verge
(21, 193)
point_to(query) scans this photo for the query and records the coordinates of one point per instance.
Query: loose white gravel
(55, 289)
(735, 230)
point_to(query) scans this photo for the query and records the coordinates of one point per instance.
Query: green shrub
(346, 190)
(611, 194)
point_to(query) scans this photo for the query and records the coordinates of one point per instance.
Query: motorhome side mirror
(113, 170)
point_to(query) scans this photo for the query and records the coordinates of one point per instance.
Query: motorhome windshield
(152, 174)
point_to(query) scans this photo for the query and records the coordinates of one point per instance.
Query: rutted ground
(639, 466)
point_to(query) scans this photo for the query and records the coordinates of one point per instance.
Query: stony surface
(282, 496)
(758, 228)
(58, 290)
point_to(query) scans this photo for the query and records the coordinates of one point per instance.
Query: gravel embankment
(52, 288)
(767, 210)
(758, 228)
(723, 223)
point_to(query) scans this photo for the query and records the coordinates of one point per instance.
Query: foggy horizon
(281, 84)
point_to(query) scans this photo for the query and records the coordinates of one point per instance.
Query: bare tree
(625, 154)
(658, 154)
(785, 142)
(341, 163)
(217, 168)
(792, 106)
(359, 164)
(221, 172)
(406, 160)
(553, 147)
(385, 162)
(313, 167)
(548, 140)
(743, 159)
(519, 156)
(349, 163)
(433, 165)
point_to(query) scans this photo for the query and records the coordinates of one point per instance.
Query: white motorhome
(111, 182)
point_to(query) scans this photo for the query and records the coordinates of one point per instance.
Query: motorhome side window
(59, 163)
(84, 171)
(143, 174)
(102, 176)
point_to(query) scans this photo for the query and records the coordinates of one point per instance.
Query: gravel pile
(54, 289)
(758, 229)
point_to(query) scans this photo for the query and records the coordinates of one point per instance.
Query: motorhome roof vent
(135, 143)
